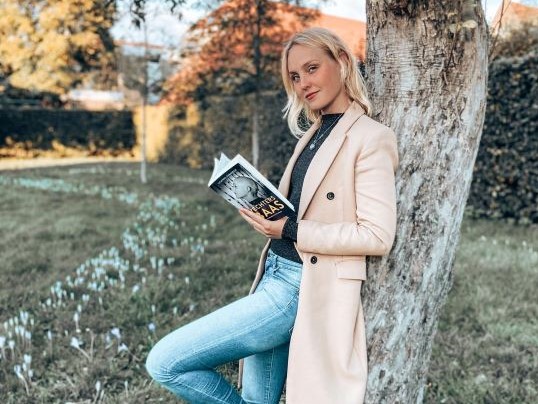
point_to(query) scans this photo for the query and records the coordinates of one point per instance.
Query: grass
(166, 253)
(486, 347)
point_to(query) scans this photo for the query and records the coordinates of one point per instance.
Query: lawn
(96, 267)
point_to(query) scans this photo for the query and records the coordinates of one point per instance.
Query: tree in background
(235, 50)
(54, 45)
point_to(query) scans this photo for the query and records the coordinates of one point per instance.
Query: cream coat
(347, 211)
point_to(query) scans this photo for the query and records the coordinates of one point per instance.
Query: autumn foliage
(52, 45)
(235, 48)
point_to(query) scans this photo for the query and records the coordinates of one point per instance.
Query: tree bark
(258, 77)
(427, 79)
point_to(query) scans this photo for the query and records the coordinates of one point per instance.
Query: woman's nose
(305, 83)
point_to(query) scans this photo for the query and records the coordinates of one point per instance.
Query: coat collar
(322, 160)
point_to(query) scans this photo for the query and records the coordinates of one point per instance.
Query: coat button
(330, 195)
(313, 259)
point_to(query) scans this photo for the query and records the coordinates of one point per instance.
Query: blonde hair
(351, 77)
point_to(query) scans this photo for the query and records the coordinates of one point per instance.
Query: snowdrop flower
(122, 348)
(151, 327)
(116, 332)
(27, 359)
(98, 386)
(75, 342)
(136, 288)
(49, 335)
(2, 341)
(18, 371)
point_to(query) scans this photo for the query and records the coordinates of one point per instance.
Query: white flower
(122, 348)
(18, 371)
(27, 359)
(75, 342)
(2, 341)
(116, 332)
(98, 386)
(151, 327)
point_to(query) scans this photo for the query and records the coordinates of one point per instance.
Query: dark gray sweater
(284, 246)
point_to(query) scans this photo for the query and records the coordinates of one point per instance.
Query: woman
(302, 323)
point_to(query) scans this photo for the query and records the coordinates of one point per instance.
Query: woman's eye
(312, 68)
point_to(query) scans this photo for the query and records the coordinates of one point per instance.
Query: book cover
(239, 183)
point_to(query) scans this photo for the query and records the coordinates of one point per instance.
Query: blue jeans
(256, 327)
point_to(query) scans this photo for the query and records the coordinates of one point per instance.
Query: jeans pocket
(288, 276)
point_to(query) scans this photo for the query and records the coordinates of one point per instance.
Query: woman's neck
(338, 106)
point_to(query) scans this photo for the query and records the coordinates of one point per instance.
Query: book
(239, 183)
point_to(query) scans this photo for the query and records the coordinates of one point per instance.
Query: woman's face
(316, 79)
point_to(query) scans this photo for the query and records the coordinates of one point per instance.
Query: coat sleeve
(374, 231)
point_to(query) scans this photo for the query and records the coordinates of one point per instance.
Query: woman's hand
(269, 228)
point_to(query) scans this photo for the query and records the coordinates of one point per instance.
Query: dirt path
(20, 164)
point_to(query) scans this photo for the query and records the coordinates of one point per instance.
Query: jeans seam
(268, 387)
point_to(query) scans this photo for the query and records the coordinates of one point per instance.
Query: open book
(242, 185)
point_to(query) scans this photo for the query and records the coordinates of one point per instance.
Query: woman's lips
(311, 96)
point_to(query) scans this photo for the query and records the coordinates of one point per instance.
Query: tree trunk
(258, 77)
(143, 174)
(427, 78)
(255, 131)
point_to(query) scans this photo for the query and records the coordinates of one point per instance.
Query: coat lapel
(322, 160)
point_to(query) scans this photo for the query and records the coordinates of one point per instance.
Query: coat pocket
(351, 268)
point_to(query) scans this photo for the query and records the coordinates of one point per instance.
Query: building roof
(513, 14)
(353, 32)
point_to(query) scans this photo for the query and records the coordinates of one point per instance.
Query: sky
(165, 29)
